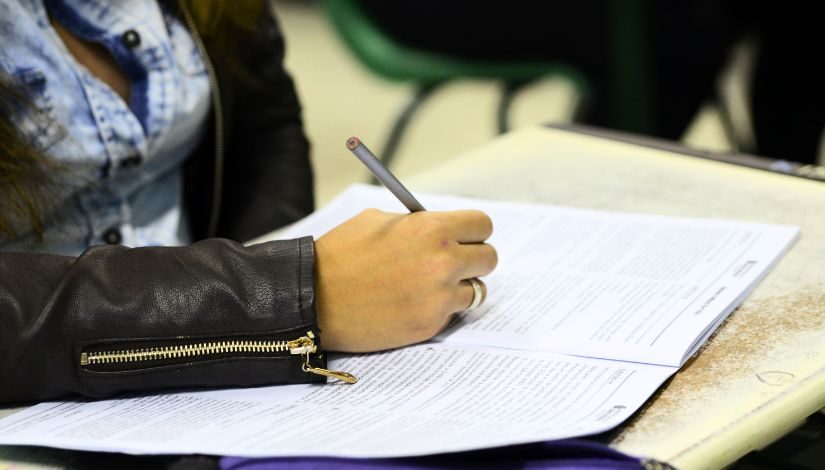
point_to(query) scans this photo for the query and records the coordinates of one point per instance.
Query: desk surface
(764, 370)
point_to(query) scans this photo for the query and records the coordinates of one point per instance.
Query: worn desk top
(763, 372)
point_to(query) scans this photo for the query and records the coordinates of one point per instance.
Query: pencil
(383, 174)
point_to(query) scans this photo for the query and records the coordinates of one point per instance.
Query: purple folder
(563, 454)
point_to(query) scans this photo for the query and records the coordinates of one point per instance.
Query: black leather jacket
(215, 313)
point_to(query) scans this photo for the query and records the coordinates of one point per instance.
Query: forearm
(206, 304)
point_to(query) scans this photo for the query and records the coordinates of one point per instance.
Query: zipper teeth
(217, 105)
(181, 351)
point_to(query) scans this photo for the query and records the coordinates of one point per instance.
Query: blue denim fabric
(120, 162)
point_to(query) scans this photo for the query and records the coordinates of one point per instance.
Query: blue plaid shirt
(120, 177)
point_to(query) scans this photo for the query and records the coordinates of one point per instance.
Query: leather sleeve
(112, 298)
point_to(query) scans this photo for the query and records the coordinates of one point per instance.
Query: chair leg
(508, 92)
(402, 122)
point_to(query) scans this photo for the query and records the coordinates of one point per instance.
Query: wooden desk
(764, 370)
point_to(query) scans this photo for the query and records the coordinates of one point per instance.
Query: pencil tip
(353, 142)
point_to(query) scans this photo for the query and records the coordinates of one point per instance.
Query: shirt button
(130, 39)
(112, 236)
(131, 161)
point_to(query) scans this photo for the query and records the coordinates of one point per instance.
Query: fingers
(466, 295)
(465, 226)
(462, 226)
(475, 260)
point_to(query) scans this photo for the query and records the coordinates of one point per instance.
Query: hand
(388, 280)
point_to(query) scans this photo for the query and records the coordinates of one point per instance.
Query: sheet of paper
(432, 398)
(632, 287)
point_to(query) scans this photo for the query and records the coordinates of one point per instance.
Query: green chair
(428, 70)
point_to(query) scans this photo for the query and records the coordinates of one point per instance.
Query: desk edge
(784, 167)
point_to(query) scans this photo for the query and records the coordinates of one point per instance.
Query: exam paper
(588, 313)
(433, 398)
(611, 285)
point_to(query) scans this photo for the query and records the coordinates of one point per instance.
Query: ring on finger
(478, 293)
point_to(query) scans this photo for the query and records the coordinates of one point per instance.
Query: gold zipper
(305, 345)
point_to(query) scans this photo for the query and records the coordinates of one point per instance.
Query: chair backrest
(391, 59)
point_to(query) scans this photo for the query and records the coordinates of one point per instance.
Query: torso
(95, 58)
(120, 98)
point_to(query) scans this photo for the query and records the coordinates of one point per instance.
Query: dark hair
(27, 173)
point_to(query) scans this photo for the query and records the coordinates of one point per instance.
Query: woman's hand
(388, 280)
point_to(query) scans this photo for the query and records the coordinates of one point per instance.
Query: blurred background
(423, 81)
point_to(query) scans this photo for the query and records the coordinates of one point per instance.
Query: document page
(433, 398)
(633, 287)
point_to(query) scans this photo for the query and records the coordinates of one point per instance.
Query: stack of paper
(589, 313)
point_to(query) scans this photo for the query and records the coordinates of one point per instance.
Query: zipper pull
(335, 374)
(305, 345)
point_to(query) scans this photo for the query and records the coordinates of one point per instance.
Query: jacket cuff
(117, 319)
(262, 293)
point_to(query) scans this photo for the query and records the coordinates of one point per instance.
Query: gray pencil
(383, 174)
